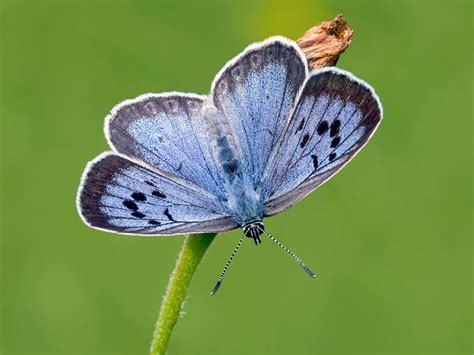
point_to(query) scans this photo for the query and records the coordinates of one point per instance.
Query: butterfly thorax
(243, 201)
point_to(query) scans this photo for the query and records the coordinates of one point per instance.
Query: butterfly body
(240, 197)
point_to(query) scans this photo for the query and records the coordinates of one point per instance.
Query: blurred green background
(390, 236)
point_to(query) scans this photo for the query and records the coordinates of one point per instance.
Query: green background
(390, 237)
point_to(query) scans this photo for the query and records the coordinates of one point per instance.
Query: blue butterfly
(268, 134)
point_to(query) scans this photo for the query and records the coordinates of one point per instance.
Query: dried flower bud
(323, 43)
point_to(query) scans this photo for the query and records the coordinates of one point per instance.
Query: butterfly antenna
(298, 260)
(219, 281)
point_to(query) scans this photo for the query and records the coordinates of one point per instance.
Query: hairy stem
(192, 251)
(322, 45)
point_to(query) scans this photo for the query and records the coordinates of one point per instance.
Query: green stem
(192, 251)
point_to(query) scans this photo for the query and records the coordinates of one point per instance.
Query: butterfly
(268, 134)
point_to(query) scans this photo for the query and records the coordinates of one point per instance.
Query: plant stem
(322, 46)
(192, 251)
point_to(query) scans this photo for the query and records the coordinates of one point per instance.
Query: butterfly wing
(122, 196)
(168, 132)
(335, 116)
(256, 92)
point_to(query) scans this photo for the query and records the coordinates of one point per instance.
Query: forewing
(121, 196)
(256, 93)
(168, 132)
(334, 118)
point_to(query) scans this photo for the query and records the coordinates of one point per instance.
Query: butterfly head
(254, 230)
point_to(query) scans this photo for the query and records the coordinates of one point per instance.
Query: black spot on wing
(335, 142)
(305, 140)
(315, 161)
(332, 156)
(138, 196)
(138, 214)
(168, 215)
(130, 205)
(300, 127)
(158, 193)
(154, 222)
(322, 127)
(335, 126)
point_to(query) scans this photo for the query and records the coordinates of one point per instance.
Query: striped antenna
(298, 260)
(218, 284)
